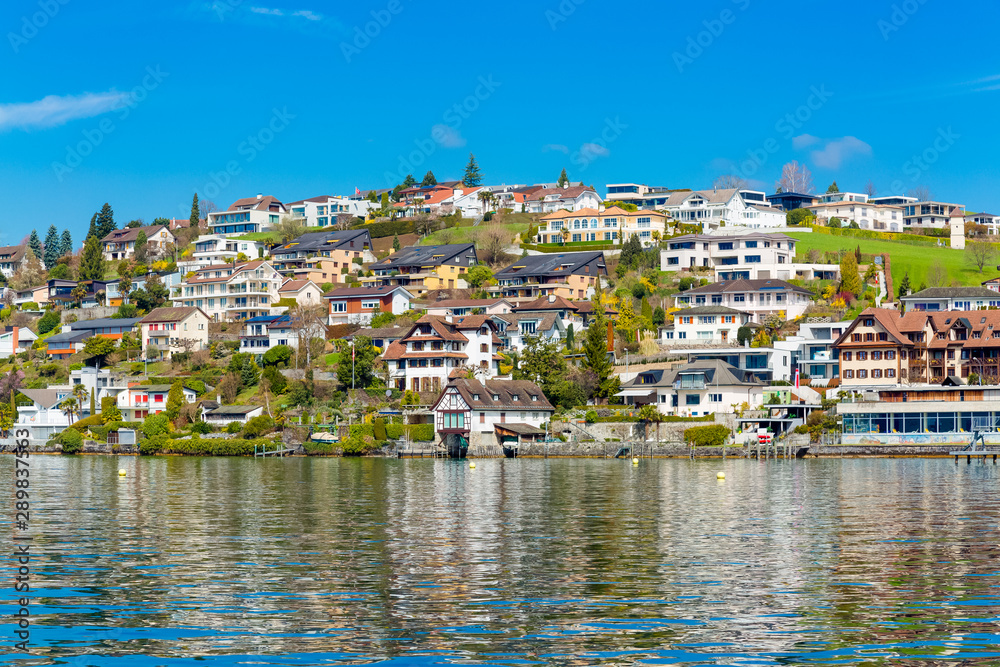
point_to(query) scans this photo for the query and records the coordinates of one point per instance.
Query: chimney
(260, 196)
(552, 298)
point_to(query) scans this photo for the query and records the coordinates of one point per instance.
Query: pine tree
(141, 249)
(409, 181)
(850, 281)
(570, 337)
(195, 218)
(473, 177)
(93, 407)
(51, 253)
(904, 285)
(35, 244)
(563, 178)
(93, 227)
(659, 316)
(857, 255)
(92, 262)
(66, 244)
(646, 311)
(595, 351)
(105, 221)
(833, 188)
(429, 179)
(395, 243)
(175, 400)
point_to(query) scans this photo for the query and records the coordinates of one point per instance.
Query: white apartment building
(98, 381)
(698, 388)
(262, 333)
(425, 358)
(938, 299)
(39, 411)
(930, 214)
(323, 211)
(710, 251)
(247, 216)
(212, 249)
(760, 298)
(704, 325)
(988, 220)
(813, 352)
(231, 291)
(880, 217)
(720, 208)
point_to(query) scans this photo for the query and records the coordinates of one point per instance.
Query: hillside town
(465, 319)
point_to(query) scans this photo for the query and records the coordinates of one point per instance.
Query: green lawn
(916, 260)
(467, 234)
(269, 237)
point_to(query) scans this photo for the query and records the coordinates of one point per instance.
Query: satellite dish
(388, 393)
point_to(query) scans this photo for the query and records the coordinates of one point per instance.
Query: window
(876, 373)
(862, 356)
(482, 417)
(338, 306)
(890, 372)
(749, 244)
(715, 398)
(890, 355)
(848, 374)
(846, 356)
(484, 347)
(856, 338)
(369, 305)
(862, 374)
(876, 355)
(751, 259)
(692, 399)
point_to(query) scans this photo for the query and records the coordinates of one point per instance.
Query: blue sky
(142, 106)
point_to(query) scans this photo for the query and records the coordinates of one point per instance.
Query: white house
(930, 214)
(224, 415)
(262, 333)
(704, 325)
(303, 292)
(720, 208)
(173, 330)
(247, 216)
(16, 339)
(494, 412)
(120, 244)
(767, 363)
(868, 216)
(213, 249)
(695, 389)
(760, 298)
(323, 211)
(231, 291)
(934, 299)
(988, 220)
(726, 252)
(425, 358)
(813, 352)
(139, 401)
(549, 200)
(12, 258)
(97, 381)
(515, 329)
(38, 410)
(460, 307)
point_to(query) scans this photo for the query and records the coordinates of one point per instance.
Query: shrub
(71, 441)
(109, 410)
(378, 429)
(197, 385)
(277, 355)
(154, 425)
(75, 367)
(49, 370)
(29, 306)
(258, 426)
(591, 416)
(707, 436)
(88, 423)
(201, 427)
(48, 322)
(233, 427)
(274, 377)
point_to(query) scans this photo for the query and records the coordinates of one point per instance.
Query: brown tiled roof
(465, 303)
(262, 204)
(396, 350)
(505, 390)
(13, 253)
(547, 303)
(564, 193)
(351, 292)
(294, 285)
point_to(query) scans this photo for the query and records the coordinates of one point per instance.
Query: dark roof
(716, 371)
(68, 337)
(745, 286)
(953, 293)
(269, 319)
(545, 320)
(520, 429)
(47, 398)
(315, 241)
(432, 255)
(465, 303)
(104, 323)
(170, 314)
(383, 333)
(233, 409)
(547, 264)
(13, 253)
(131, 233)
(504, 390)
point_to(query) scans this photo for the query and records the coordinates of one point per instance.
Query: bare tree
(308, 322)
(870, 189)
(921, 192)
(980, 253)
(344, 221)
(206, 206)
(796, 177)
(492, 242)
(290, 228)
(937, 275)
(730, 182)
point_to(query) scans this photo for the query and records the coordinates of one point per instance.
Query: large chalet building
(883, 347)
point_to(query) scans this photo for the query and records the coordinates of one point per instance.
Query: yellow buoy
(122, 472)
(635, 462)
(472, 465)
(720, 475)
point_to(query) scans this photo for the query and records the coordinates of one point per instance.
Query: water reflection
(557, 562)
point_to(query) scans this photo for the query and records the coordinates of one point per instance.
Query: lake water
(563, 562)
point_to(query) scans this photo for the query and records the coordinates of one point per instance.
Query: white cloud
(837, 151)
(558, 148)
(594, 150)
(308, 15)
(447, 136)
(267, 11)
(54, 110)
(804, 141)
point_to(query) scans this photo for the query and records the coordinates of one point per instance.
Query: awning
(635, 392)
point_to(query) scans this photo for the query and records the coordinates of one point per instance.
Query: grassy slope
(916, 260)
(466, 234)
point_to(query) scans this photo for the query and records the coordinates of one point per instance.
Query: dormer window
(513, 397)
(534, 397)
(475, 397)
(496, 397)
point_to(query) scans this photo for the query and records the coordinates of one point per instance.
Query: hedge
(572, 247)
(417, 432)
(380, 230)
(161, 444)
(707, 436)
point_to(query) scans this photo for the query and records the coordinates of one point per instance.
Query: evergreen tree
(409, 181)
(93, 406)
(857, 255)
(570, 337)
(141, 247)
(35, 244)
(395, 243)
(93, 227)
(659, 316)
(51, 253)
(429, 179)
(563, 179)
(92, 262)
(595, 352)
(175, 400)
(372, 197)
(105, 221)
(646, 311)
(473, 176)
(904, 285)
(850, 281)
(195, 212)
(66, 244)
(833, 188)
